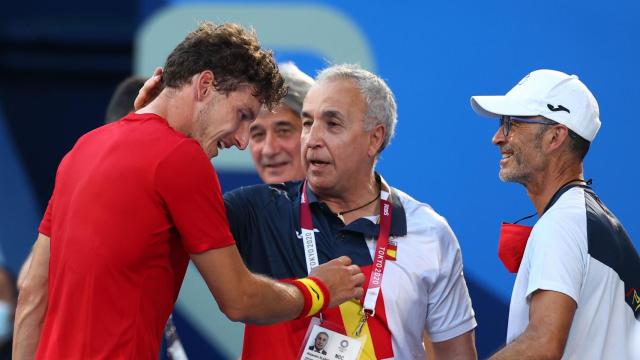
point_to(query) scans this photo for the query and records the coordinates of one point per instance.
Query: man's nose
(241, 136)
(498, 138)
(314, 135)
(270, 146)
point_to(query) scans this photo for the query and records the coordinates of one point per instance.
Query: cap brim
(495, 106)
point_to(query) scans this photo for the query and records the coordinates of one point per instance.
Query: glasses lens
(505, 123)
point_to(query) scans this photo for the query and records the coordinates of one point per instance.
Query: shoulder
(421, 217)
(565, 219)
(263, 194)
(184, 153)
(562, 230)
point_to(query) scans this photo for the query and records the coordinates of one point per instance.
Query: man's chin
(274, 177)
(512, 178)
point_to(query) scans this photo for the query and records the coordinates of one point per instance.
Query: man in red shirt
(135, 199)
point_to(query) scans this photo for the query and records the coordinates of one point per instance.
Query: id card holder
(326, 341)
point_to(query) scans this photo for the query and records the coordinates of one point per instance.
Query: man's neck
(357, 195)
(170, 105)
(547, 183)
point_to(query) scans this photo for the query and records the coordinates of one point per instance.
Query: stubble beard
(521, 171)
(200, 132)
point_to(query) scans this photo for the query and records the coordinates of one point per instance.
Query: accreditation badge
(325, 341)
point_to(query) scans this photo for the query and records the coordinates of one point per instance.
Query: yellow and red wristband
(315, 294)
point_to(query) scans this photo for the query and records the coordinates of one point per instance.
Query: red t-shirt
(132, 199)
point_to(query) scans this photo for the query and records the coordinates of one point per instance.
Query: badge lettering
(309, 246)
(379, 263)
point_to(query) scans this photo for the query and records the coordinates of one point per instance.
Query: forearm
(247, 297)
(243, 296)
(24, 269)
(550, 317)
(265, 301)
(32, 302)
(528, 346)
(32, 306)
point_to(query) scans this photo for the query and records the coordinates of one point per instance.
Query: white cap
(553, 94)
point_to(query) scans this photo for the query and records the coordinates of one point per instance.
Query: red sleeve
(45, 224)
(189, 187)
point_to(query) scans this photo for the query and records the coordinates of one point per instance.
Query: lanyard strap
(306, 229)
(379, 257)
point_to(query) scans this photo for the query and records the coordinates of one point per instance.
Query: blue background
(59, 63)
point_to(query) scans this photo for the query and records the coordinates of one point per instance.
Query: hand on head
(150, 90)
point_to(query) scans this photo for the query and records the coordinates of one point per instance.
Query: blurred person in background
(121, 102)
(275, 134)
(8, 295)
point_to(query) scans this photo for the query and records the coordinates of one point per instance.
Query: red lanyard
(379, 256)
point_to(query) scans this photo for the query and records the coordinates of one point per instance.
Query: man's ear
(204, 82)
(558, 135)
(376, 138)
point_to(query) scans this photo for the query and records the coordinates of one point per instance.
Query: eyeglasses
(506, 122)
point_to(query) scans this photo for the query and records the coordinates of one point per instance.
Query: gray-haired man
(275, 134)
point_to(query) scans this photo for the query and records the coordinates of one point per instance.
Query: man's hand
(343, 279)
(149, 90)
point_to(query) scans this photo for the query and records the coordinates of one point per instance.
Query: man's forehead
(332, 92)
(281, 115)
(341, 84)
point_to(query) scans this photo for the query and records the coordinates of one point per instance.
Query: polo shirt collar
(366, 226)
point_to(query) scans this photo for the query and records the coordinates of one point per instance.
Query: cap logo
(558, 108)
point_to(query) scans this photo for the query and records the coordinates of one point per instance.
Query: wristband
(315, 294)
(324, 290)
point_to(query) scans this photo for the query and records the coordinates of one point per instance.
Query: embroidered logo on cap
(558, 108)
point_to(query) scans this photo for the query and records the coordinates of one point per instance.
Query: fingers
(358, 293)
(146, 93)
(344, 260)
(358, 279)
(354, 269)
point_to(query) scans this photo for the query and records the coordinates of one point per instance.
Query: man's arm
(550, 317)
(32, 302)
(251, 298)
(461, 347)
(24, 269)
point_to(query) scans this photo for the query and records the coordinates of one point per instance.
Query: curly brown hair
(234, 56)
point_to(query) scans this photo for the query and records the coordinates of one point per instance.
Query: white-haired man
(345, 207)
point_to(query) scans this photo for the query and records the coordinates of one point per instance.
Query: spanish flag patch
(392, 250)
